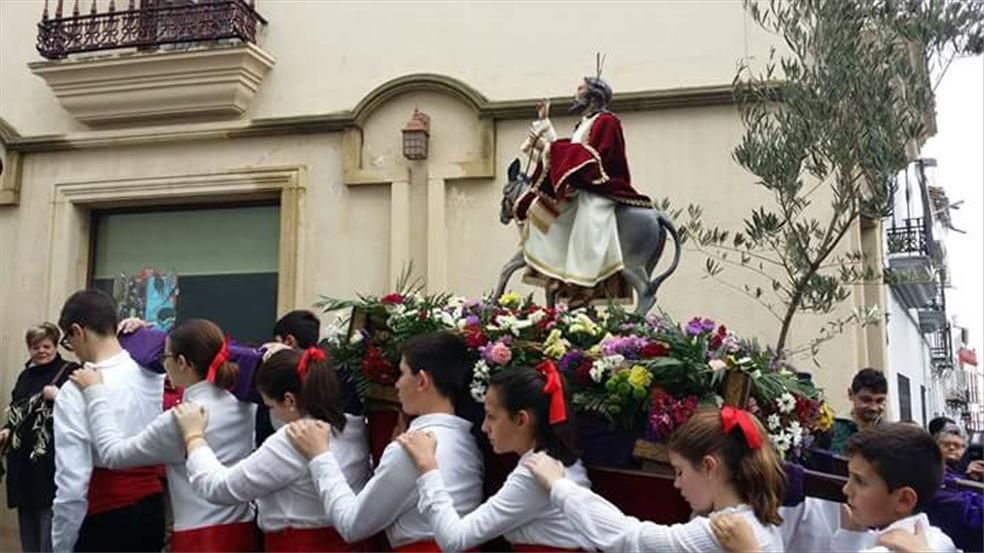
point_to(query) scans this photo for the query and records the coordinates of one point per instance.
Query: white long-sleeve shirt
(608, 529)
(229, 434)
(810, 525)
(276, 476)
(389, 499)
(520, 511)
(135, 397)
(849, 541)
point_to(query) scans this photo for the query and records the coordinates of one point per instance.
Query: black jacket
(31, 483)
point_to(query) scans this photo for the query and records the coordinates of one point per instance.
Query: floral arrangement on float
(643, 375)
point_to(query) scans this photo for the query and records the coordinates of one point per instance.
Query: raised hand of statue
(543, 108)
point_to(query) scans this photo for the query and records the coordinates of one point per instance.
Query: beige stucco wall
(329, 56)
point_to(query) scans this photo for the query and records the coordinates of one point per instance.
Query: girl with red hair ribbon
(295, 385)
(723, 465)
(196, 356)
(526, 410)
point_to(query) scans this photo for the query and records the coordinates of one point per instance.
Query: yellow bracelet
(192, 438)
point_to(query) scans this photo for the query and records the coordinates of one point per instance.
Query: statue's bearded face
(582, 99)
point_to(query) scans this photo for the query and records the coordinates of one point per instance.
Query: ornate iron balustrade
(908, 238)
(153, 23)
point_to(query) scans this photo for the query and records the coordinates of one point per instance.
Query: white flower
(511, 323)
(756, 374)
(478, 391)
(604, 365)
(745, 361)
(786, 403)
(717, 365)
(796, 433)
(395, 309)
(718, 400)
(356, 338)
(334, 331)
(443, 316)
(480, 380)
(782, 441)
(774, 422)
(537, 316)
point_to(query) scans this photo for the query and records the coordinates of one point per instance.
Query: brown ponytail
(199, 341)
(756, 473)
(313, 383)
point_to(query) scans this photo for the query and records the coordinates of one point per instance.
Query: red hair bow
(311, 353)
(553, 387)
(732, 416)
(221, 357)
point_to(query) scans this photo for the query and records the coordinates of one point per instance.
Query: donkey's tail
(655, 283)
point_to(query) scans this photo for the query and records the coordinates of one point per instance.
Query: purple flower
(571, 360)
(698, 326)
(627, 346)
(471, 320)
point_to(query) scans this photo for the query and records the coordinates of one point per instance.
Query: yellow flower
(639, 377)
(510, 300)
(826, 419)
(555, 346)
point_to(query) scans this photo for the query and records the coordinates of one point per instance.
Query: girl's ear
(709, 465)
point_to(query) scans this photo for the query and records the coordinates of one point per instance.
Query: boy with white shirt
(96, 509)
(894, 470)
(434, 370)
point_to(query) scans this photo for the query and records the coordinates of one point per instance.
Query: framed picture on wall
(151, 295)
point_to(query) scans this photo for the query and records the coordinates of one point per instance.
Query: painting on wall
(150, 294)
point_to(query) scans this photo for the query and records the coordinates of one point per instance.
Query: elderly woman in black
(27, 439)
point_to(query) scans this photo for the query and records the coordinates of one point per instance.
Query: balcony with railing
(911, 267)
(152, 59)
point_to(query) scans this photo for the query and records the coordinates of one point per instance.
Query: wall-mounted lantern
(415, 136)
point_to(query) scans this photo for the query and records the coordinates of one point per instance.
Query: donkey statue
(641, 234)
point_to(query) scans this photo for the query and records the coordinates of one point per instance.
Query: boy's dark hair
(445, 357)
(871, 380)
(92, 310)
(302, 324)
(902, 455)
(520, 388)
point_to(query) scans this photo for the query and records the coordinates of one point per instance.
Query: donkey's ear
(513, 170)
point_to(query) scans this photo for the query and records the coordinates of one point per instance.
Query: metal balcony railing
(146, 27)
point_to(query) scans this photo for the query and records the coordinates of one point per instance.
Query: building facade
(261, 156)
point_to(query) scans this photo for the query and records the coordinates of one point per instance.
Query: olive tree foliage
(841, 109)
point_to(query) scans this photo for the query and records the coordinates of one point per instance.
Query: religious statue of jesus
(570, 239)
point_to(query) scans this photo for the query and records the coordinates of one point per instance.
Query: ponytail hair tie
(312, 353)
(553, 388)
(220, 358)
(733, 416)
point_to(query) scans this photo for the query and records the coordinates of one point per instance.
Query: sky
(958, 148)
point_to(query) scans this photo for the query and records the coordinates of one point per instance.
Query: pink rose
(500, 354)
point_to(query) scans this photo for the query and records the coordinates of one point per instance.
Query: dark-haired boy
(96, 509)
(894, 471)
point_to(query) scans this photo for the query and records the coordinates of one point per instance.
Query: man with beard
(571, 242)
(868, 393)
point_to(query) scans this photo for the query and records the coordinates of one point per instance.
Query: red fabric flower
(378, 369)
(582, 374)
(719, 337)
(474, 338)
(654, 349)
(391, 299)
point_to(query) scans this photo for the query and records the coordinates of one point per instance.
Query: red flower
(718, 338)
(654, 349)
(474, 338)
(391, 299)
(582, 374)
(377, 368)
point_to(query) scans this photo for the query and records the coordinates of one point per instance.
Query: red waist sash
(308, 540)
(113, 489)
(238, 537)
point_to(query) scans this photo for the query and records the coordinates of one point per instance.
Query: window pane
(226, 260)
